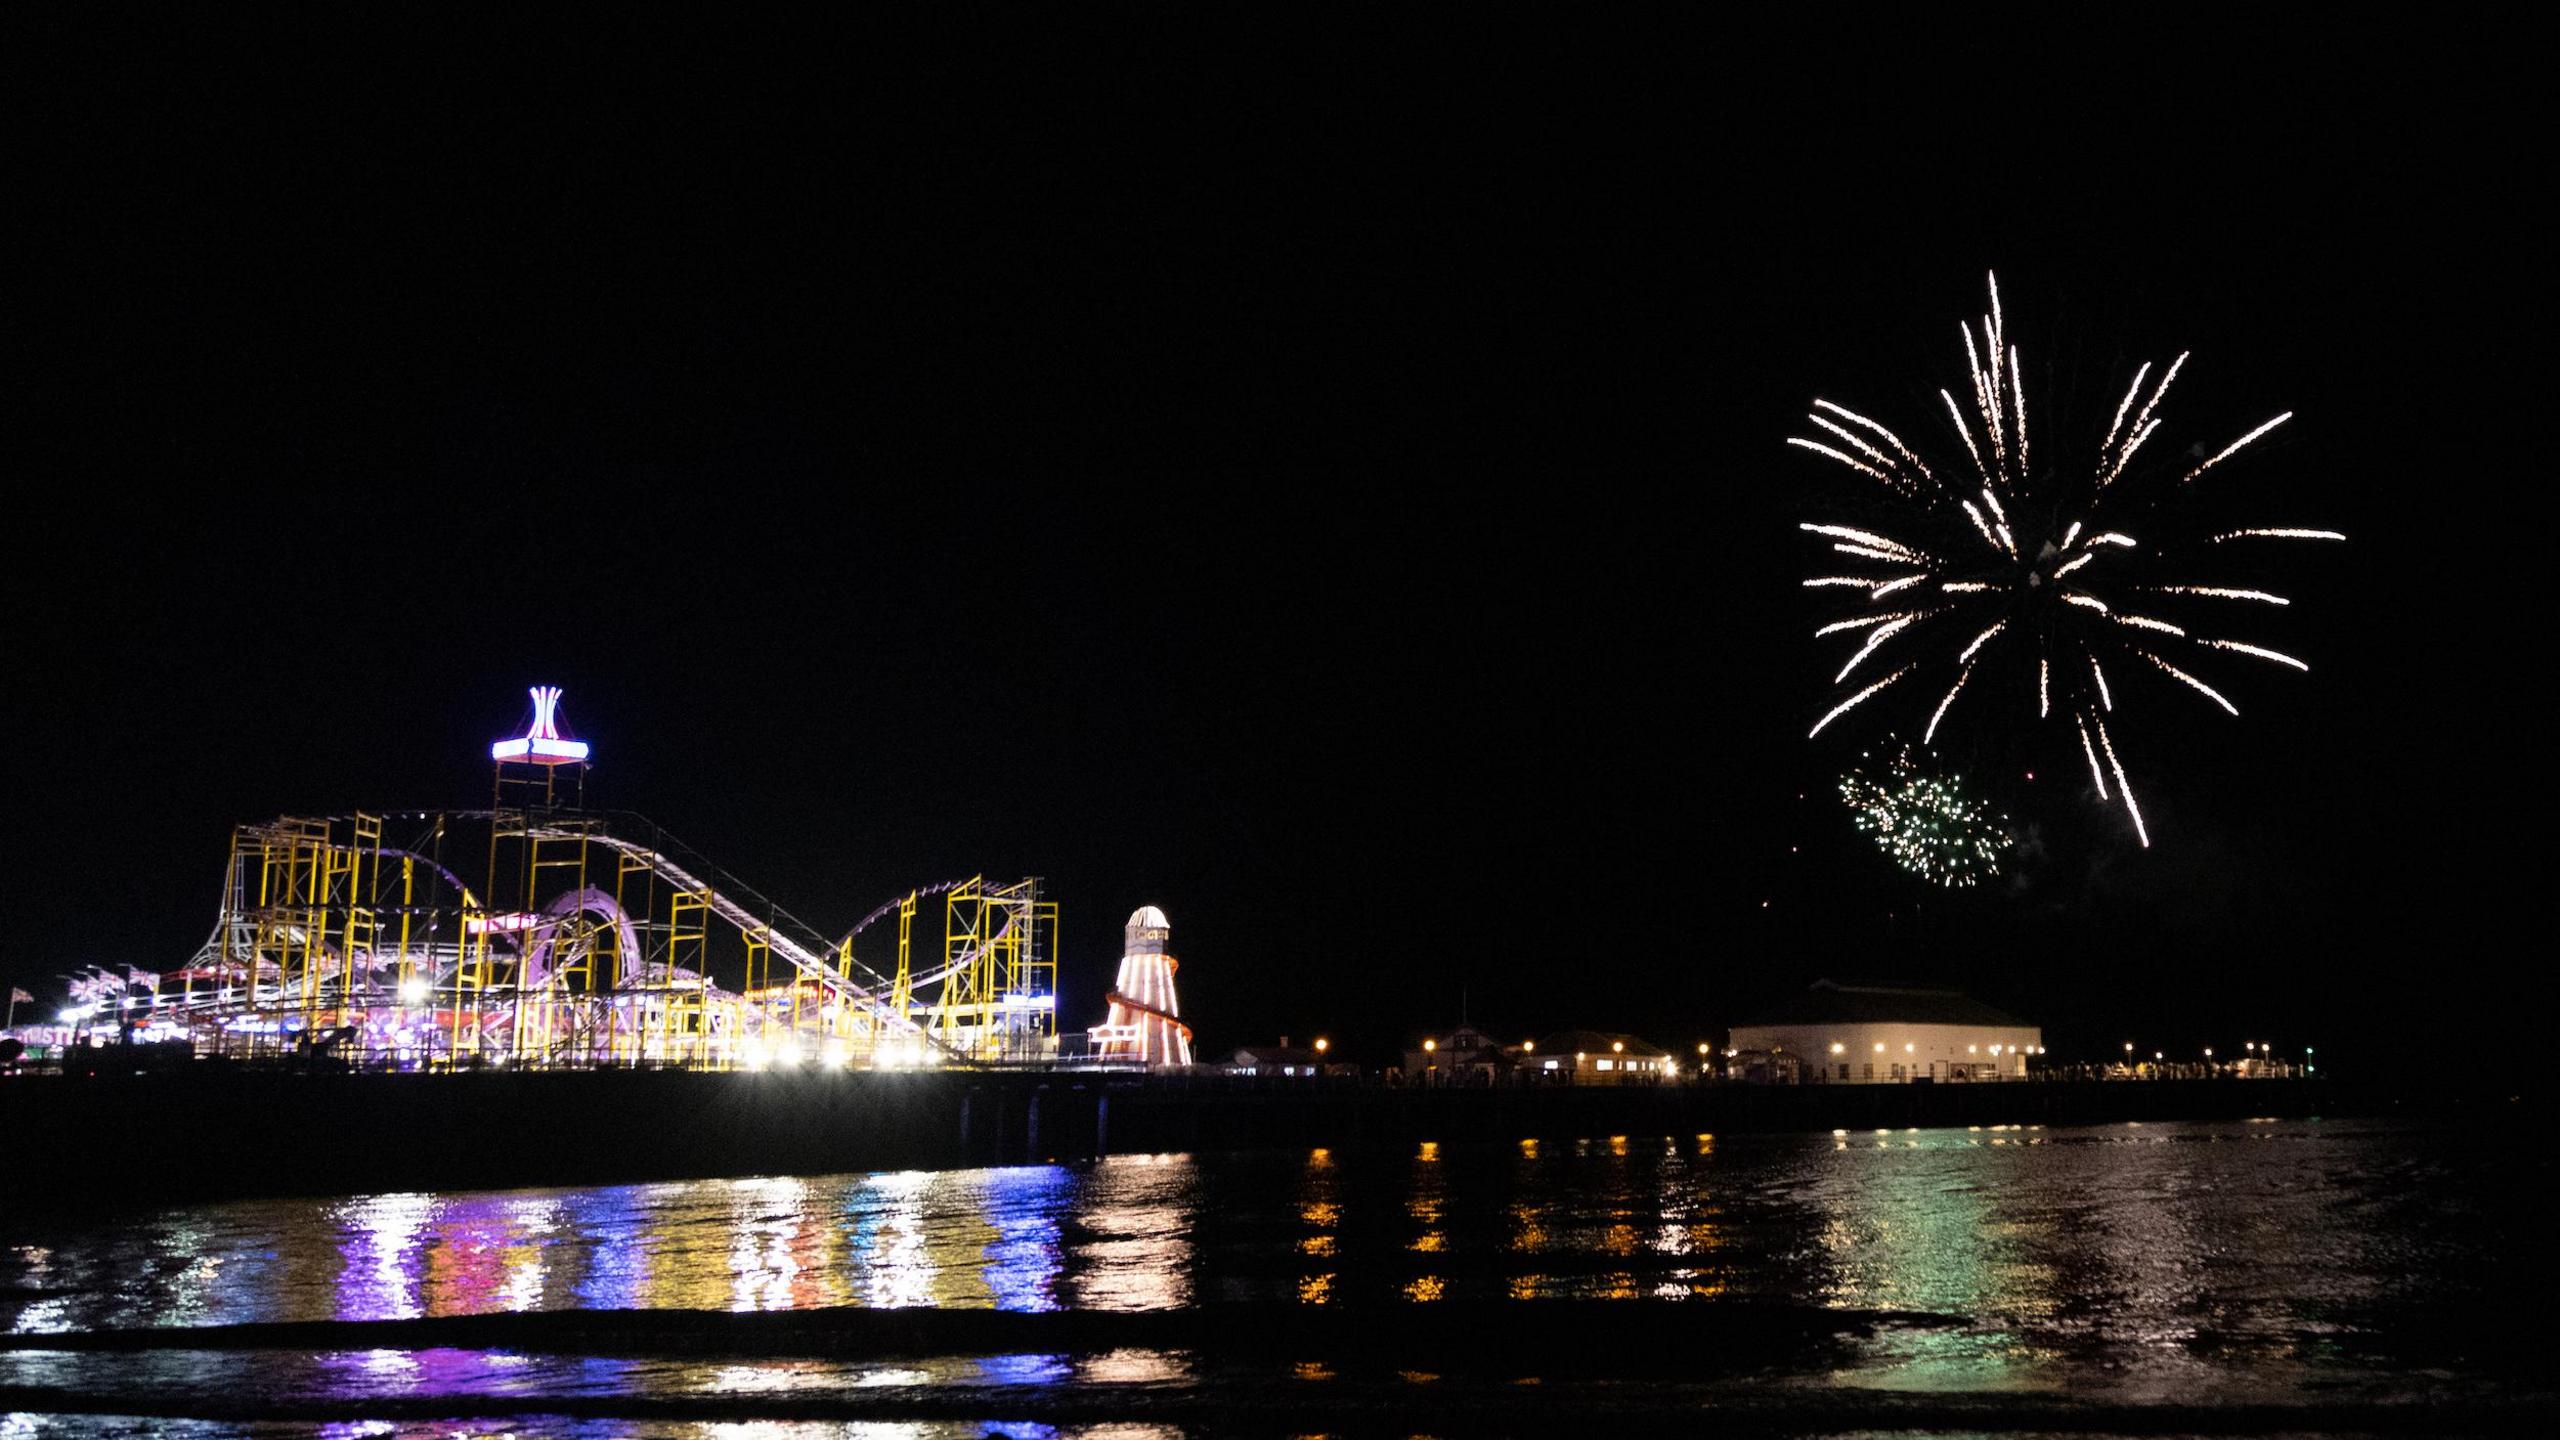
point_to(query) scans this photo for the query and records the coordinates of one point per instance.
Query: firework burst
(1926, 820)
(1990, 560)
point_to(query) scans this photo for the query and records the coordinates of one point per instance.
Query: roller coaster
(593, 940)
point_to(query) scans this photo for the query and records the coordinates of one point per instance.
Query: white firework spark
(1868, 552)
(2096, 775)
(2145, 622)
(1858, 465)
(1931, 734)
(1861, 446)
(1854, 418)
(2122, 406)
(2048, 570)
(2122, 784)
(2278, 534)
(2218, 592)
(1875, 637)
(1865, 537)
(2233, 448)
(1845, 706)
(2199, 686)
(2260, 651)
(1965, 431)
(1860, 622)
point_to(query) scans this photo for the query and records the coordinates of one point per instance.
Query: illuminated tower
(541, 750)
(533, 848)
(1146, 1026)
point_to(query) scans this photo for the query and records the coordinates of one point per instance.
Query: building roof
(1829, 1002)
(1277, 1055)
(1596, 1042)
(1463, 1039)
(1148, 917)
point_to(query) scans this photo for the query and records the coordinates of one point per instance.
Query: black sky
(1320, 473)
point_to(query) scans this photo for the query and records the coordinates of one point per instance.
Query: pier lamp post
(1322, 1044)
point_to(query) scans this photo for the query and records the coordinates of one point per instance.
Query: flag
(20, 997)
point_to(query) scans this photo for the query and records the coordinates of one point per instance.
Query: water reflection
(1136, 1222)
(480, 1253)
(2144, 1261)
(1319, 1203)
(1022, 1206)
(780, 1248)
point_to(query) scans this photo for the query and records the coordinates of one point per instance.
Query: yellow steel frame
(959, 1010)
(902, 985)
(688, 937)
(311, 917)
(357, 869)
(631, 982)
(546, 1009)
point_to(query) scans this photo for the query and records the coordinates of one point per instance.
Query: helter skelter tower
(1145, 1026)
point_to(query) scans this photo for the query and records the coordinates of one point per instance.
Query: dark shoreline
(1750, 1365)
(205, 1133)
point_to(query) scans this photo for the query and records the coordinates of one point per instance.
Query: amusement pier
(542, 992)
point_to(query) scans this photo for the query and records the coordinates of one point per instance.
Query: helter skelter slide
(593, 940)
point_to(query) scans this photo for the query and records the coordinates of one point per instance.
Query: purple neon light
(542, 744)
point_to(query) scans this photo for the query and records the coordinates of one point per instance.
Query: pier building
(1840, 1034)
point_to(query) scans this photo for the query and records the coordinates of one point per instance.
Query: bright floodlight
(413, 991)
(542, 744)
(75, 1014)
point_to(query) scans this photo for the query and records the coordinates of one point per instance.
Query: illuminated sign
(542, 745)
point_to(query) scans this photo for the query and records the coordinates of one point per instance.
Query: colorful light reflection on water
(2155, 1262)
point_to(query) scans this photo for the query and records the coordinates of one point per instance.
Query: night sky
(1320, 474)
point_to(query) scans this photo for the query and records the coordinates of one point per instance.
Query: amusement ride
(541, 934)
